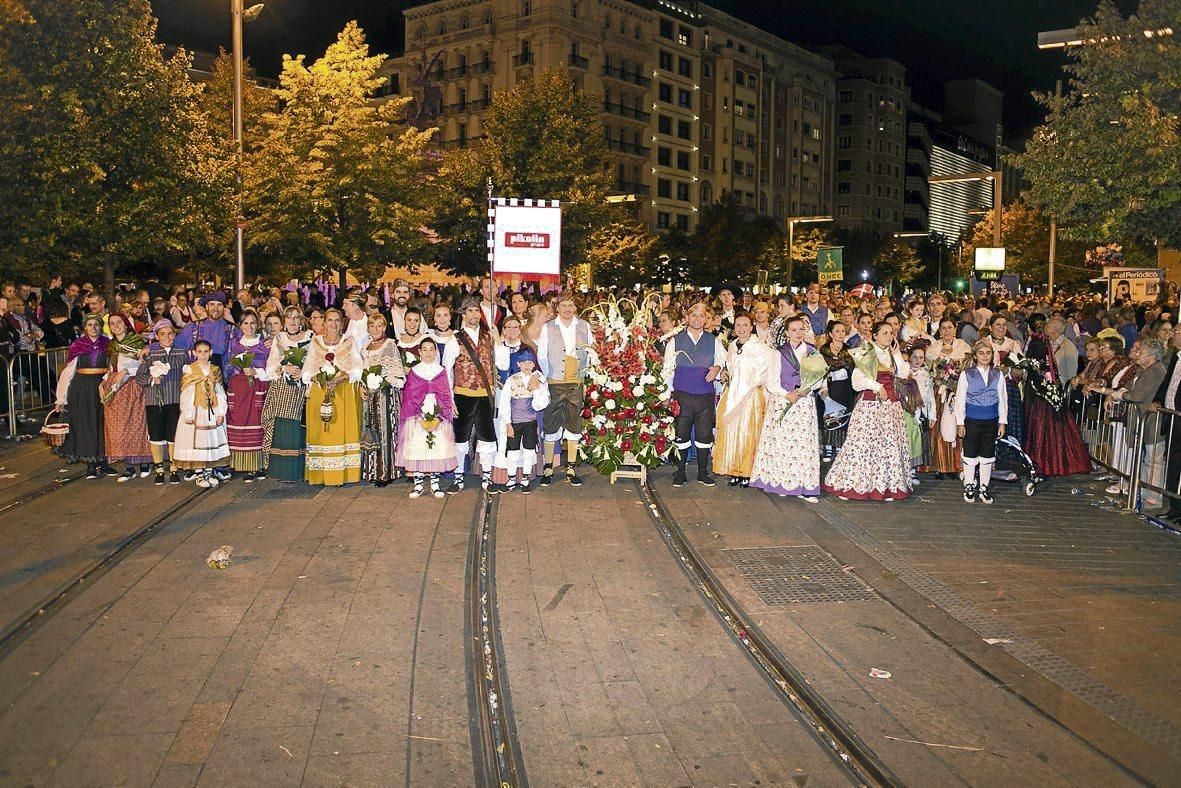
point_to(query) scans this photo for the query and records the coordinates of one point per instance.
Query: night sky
(936, 40)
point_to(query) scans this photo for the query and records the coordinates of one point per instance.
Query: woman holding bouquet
(742, 409)
(125, 426)
(948, 357)
(283, 432)
(247, 393)
(381, 401)
(1052, 439)
(332, 370)
(426, 439)
(874, 462)
(787, 461)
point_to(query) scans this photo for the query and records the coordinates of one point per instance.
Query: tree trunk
(109, 279)
(343, 285)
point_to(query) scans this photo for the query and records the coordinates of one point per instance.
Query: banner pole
(492, 245)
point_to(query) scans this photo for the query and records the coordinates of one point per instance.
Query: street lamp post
(238, 16)
(791, 237)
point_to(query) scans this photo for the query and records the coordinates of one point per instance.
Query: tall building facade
(695, 103)
(872, 97)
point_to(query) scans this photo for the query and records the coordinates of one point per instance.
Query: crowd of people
(854, 395)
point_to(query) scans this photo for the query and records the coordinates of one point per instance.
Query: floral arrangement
(374, 378)
(1105, 256)
(1040, 381)
(945, 373)
(293, 356)
(813, 370)
(328, 371)
(242, 361)
(430, 419)
(629, 409)
(158, 370)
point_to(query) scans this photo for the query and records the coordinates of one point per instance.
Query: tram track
(496, 751)
(56, 482)
(26, 623)
(845, 747)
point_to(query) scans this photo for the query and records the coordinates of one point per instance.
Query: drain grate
(792, 575)
(284, 490)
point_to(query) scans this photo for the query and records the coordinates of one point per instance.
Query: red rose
(619, 430)
(645, 437)
(661, 443)
(625, 444)
(626, 393)
(329, 357)
(674, 407)
(647, 420)
(602, 431)
(586, 414)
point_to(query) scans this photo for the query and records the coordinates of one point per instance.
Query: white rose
(373, 381)
(639, 406)
(328, 370)
(609, 404)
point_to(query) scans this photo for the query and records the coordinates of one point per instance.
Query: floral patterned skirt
(787, 461)
(874, 464)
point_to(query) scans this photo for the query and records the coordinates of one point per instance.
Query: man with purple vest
(562, 349)
(692, 361)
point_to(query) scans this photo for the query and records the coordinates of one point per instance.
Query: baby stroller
(1011, 457)
(834, 427)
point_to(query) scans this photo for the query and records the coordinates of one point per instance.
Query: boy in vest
(474, 373)
(562, 351)
(692, 361)
(523, 395)
(160, 373)
(981, 413)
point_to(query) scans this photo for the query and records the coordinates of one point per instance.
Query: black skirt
(84, 414)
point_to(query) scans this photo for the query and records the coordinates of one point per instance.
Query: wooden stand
(630, 470)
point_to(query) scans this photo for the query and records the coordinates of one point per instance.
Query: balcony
(461, 142)
(475, 105)
(625, 111)
(633, 187)
(523, 59)
(468, 70)
(630, 77)
(629, 148)
(578, 61)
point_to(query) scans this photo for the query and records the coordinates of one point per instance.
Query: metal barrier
(1156, 471)
(31, 382)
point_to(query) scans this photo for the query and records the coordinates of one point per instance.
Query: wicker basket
(54, 434)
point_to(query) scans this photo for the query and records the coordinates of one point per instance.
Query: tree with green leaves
(807, 243)
(336, 180)
(542, 140)
(897, 263)
(1106, 163)
(622, 253)
(110, 161)
(1026, 234)
(728, 243)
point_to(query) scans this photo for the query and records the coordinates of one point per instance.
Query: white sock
(461, 456)
(970, 465)
(986, 471)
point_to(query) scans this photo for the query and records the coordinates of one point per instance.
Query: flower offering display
(946, 373)
(293, 356)
(326, 377)
(629, 411)
(813, 370)
(1105, 256)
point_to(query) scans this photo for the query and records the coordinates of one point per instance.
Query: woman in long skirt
(948, 356)
(743, 405)
(787, 461)
(381, 400)
(283, 433)
(332, 370)
(125, 424)
(247, 394)
(874, 462)
(1052, 438)
(77, 395)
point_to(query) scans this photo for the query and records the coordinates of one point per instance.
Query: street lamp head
(252, 13)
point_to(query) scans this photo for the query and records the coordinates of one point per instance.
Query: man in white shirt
(726, 299)
(358, 327)
(563, 352)
(491, 313)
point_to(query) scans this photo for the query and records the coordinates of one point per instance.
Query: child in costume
(523, 395)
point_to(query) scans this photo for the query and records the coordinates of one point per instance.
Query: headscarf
(85, 346)
(131, 343)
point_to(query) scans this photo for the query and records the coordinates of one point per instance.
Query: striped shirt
(168, 388)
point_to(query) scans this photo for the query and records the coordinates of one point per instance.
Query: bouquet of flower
(1107, 255)
(328, 371)
(374, 378)
(430, 419)
(1039, 380)
(242, 361)
(813, 369)
(945, 373)
(629, 405)
(293, 356)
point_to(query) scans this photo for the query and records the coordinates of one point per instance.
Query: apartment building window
(526, 7)
(683, 161)
(666, 60)
(664, 156)
(739, 105)
(662, 219)
(880, 168)
(684, 36)
(725, 134)
(666, 29)
(845, 119)
(666, 93)
(739, 76)
(664, 188)
(725, 165)
(574, 8)
(750, 170)
(707, 163)
(462, 135)
(842, 210)
(707, 193)
(844, 187)
(639, 33)
(684, 130)
(725, 103)
(461, 95)
(488, 17)
(682, 191)
(664, 124)
(707, 71)
(707, 101)
(685, 67)
(707, 132)
(749, 198)
(487, 95)
(682, 222)
(845, 96)
(739, 137)
(685, 98)
(464, 22)
(844, 165)
(844, 143)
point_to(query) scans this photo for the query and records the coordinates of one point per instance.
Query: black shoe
(127, 475)
(703, 468)
(524, 486)
(92, 471)
(159, 480)
(109, 471)
(969, 493)
(262, 475)
(707, 479)
(222, 474)
(734, 481)
(572, 477)
(456, 486)
(493, 488)
(982, 494)
(547, 478)
(745, 483)
(144, 470)
(679, 478)
(174, 478)
(382, 483)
